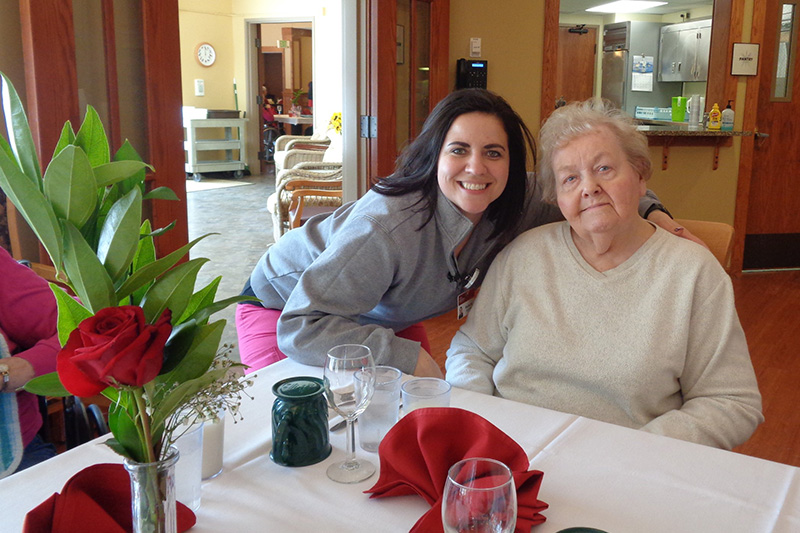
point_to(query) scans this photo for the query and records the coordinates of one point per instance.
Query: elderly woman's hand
(663, 220)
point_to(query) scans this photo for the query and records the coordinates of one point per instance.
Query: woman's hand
(663, 220)
(427, 367)
(20, 371)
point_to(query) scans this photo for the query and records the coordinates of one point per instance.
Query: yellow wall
(511, 35)
(512, 40)
(213, 27)
(224, 24)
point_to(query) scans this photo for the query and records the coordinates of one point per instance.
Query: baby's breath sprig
(224, 394)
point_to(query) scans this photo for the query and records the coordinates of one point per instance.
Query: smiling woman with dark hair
(404, 252)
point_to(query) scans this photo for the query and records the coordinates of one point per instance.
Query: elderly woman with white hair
(607, 315)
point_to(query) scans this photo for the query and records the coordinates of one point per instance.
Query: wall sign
(745, 59)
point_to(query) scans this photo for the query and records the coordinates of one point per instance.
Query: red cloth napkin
(96, 499)
(418, 451)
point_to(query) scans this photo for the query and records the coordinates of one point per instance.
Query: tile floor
(240, 216)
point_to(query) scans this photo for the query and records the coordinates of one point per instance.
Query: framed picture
(745, 59)
(401, 44)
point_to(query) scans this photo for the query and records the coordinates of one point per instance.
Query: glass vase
(153, 504)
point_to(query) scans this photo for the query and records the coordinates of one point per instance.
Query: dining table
(294, 122)
(596, 474)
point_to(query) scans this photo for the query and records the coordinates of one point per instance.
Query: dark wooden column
(164, 123)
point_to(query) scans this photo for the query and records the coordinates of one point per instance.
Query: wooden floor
(769, 309)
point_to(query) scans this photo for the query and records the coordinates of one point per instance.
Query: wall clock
(205, 54)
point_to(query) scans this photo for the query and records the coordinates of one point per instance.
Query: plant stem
(145, 422)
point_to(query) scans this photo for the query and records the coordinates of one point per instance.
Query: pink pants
(256, 328)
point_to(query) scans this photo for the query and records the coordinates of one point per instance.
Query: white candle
(213, 439)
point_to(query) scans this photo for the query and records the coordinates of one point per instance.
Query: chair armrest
(283, 140)
(317, 165)
(294, 157)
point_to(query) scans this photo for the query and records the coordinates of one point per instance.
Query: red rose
(116, 344)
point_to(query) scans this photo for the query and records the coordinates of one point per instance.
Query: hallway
(240, 216)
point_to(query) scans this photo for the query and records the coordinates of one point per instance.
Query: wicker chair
(293, 149)
(302, 192)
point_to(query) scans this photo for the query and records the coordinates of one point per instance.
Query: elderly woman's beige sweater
(654, 343)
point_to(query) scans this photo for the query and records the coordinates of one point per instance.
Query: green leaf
(202, 315)
(178, 345)
(66, 138)
(46, 385)
(35, 208)
(161, 193)
(161, 231)
(151, 271)
(86, 273)
(127, 152)
(173, 290)
(119, 237)
(114, 172)
(70, 313)
(125, 432)
(19, 133)
(145, 254)
(201, 299)
(199, 356)
(178, 396)
(70, 187)
(92, 138)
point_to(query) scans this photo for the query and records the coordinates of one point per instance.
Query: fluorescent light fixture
(625, 6)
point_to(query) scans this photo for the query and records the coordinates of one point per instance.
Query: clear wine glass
(480, 497)
(340, 388)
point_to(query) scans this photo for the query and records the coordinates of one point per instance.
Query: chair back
(718, 236)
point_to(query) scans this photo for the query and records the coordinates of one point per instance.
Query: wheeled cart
(232, 145)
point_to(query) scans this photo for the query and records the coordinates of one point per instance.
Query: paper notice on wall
(642, 74)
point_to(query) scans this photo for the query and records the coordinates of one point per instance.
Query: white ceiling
(672, 6)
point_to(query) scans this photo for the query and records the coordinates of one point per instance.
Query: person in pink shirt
(28, 322)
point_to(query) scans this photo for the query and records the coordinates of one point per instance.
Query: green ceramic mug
(299, 422)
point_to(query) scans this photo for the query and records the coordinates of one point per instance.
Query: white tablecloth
(595, 474)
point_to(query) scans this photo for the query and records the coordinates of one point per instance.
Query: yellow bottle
(714, 118)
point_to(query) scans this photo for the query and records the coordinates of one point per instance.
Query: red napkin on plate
(419, 450)
(96, 499)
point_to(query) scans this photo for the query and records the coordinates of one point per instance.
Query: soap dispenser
(714, 118)
(727, 117)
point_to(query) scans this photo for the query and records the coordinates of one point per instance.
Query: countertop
(663, 128)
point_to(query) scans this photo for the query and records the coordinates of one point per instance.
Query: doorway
(768, 208)
(284, 81)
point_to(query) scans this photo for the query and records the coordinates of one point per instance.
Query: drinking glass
(425, 392)
(340, 388)
(479, 496)
(383, 410)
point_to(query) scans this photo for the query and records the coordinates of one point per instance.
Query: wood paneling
(577, 55)
(767, 304)
(549, 60)
(164, 125)
(382, 94)
(440, 50)
(48, 44)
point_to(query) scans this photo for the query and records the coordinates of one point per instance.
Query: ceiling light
(625, 6)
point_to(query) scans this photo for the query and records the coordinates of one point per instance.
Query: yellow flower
(335, 123)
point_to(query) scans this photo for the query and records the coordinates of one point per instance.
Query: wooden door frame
(381, 90)
(747, 148)
(52, 96)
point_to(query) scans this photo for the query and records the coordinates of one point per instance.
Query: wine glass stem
(351, 442)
